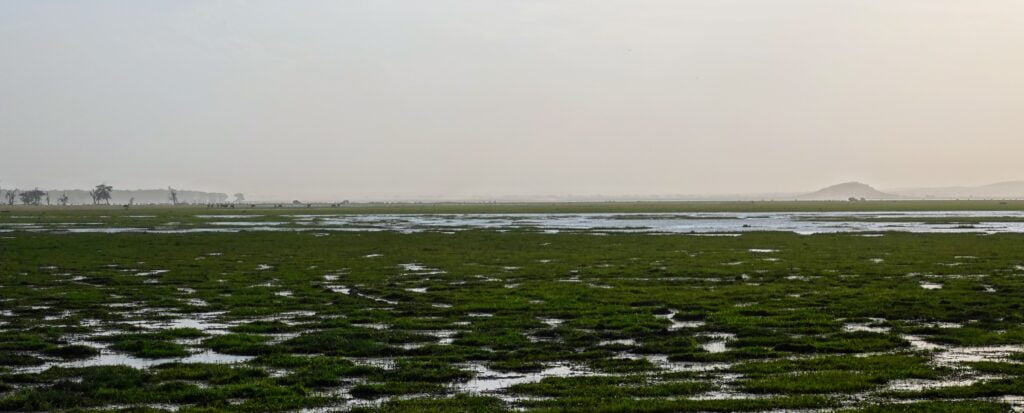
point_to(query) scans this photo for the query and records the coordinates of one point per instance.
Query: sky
(384, 99)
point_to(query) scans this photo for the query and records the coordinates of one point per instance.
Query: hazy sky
(375, 99)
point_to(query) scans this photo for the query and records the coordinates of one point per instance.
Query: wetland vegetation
(464, 318)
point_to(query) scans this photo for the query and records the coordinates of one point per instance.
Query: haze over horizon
(375, 100)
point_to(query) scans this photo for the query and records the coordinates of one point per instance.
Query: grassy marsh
(500, 319)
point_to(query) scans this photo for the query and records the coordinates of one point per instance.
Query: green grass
(511, 303)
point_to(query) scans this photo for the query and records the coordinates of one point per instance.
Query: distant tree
(11, 195)
(101, 193)
(33, 197)
(63, 199)
(47, 199)
(239, 197)
(131, 201)
(173, 195)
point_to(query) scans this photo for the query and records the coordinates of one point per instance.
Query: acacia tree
(63, 199)
(10, 195)
(33, 197)
(101, 193)
(173, 195)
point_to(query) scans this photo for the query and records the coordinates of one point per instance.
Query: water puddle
(109, 358)
(662, 362)
(718, 343)
(620, 342)
(386, 363)
(920, 344)
(552, 322)
(855, 327)
(916, 385)
(373, 326)
(955, 355)
(676, 324)
(717, 346)
(487, 380)
(419, 269)
(445, 337)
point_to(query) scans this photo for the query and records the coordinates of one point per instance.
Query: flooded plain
(511, 312)
(709, 223)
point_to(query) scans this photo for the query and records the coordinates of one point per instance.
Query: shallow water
(921, 384)
(676, 324)
(490, 381)
(662, 361)
(954, 355)
(854, 327)
(109, 358)
(724, 223)
(718, 346)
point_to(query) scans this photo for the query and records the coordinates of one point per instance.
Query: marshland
(546, 307)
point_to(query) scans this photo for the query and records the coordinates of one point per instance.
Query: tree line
(103, 194)
(100, 194)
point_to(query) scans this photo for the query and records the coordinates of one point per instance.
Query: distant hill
(845, 191)
(1001, 190)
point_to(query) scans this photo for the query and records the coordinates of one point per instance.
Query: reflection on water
(487, 380)
(109, 358)
(987, 222)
